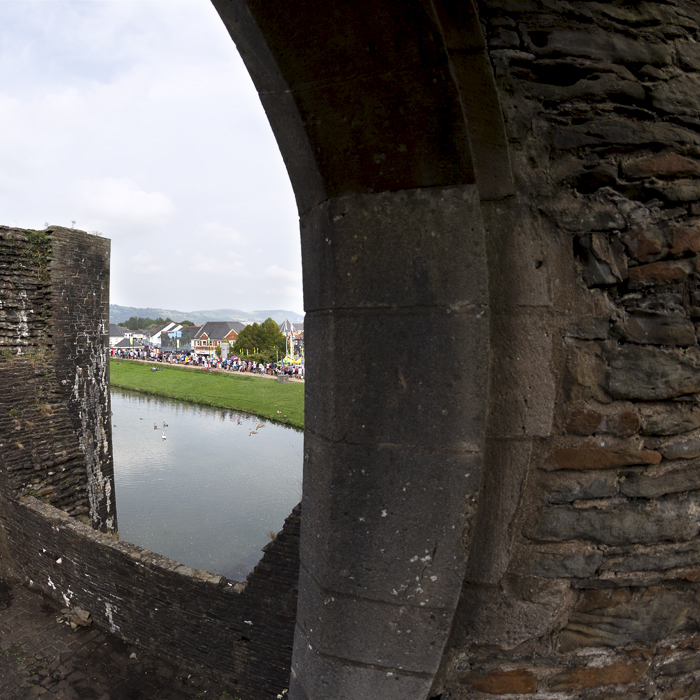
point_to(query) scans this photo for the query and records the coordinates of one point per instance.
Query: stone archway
(501, 489)
(389, 124)
(573, 281)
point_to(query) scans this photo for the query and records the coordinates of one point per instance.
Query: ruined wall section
(54, 285)
(80, 330)
(239, 632)
(584, 570)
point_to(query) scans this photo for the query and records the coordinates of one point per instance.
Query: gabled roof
(115, 331)
(125, 344)
(218, 330)
(288, 327)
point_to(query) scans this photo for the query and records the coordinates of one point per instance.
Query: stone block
(521, 681)
(598, 458)
(580, 564)
(664, 165)
(369, 534)
(428, 245)
(668, 418)
(663, 272)
(604, 260)
(584, 422)
(649, 328)
(593, 676)
(679, 667)
(525, 259)
(522, 387)
(567, 487)
(679, 191)
(678, 96)
(677, 480)
(649, 374)
(619, 617)
(681, 448)
(606, 45)
(624, 424)
(583, 214)
(685, 239)
(660, 557)
(417, 377)
(616, 132)
(399, 635)
(500, 495)
(511, 612)
(642, 244)
(317, 676)
(634, 522)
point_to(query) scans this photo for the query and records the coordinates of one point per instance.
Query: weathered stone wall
(583, 577)
(55, 444)
(239, 632)
(55, 433)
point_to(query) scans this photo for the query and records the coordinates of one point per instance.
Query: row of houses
(200, 340)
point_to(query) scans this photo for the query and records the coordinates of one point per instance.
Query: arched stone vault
(500, 355)
(388, 120)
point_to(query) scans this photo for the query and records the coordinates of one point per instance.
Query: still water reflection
(209, 494)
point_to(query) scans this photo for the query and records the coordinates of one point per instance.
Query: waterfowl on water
(165, 425)
(155, 426)
(163, 436)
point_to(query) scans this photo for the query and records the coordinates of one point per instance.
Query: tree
(265, 338)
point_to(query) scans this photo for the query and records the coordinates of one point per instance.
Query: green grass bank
(282, 402)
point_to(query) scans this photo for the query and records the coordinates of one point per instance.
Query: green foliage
(264, 339)
(136, 323)
(241, 392)
(38, 252)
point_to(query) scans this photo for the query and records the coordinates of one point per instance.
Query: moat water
(211, 492)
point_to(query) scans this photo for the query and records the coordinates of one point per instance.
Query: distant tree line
(136, 323)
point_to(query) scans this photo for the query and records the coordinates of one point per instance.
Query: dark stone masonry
(500, 223)
(57, 502)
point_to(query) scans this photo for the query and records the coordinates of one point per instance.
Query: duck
(155, 426)
(259, 425)
(165, 425)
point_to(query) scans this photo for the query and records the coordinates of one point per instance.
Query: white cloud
(279, 273)
(138, 119)
(219, 234)
(207, 265)
(120, 199)
(143, 262)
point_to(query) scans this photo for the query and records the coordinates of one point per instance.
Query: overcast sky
(137, 118)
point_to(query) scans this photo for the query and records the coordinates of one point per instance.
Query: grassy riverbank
(264, 397)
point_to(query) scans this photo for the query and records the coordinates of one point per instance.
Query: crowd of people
(233, 364)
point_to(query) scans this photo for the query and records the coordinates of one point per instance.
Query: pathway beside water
(210, 493)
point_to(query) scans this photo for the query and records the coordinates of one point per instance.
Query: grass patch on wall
(264, 397)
